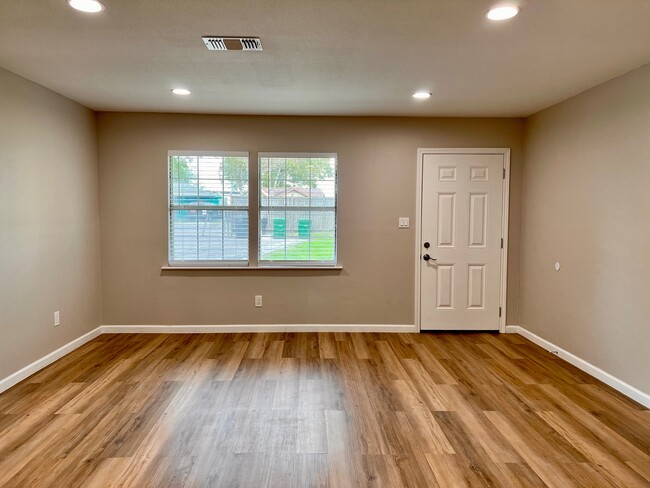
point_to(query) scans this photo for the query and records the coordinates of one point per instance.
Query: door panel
(445, 287)
(478, 219)
(462, 202)
(446, 219)
(476, 286)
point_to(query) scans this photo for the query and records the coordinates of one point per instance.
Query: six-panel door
(462, 206)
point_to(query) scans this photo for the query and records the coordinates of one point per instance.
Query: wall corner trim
(46, 360)
(619, 385)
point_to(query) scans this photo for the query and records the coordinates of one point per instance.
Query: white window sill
(250, 268)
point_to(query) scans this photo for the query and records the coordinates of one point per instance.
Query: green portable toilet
(304, 227)
(279, 228)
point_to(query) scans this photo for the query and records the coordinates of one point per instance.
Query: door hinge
(499, 311)
(502, 243)
(504, 173)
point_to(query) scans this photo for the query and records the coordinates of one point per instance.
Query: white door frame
(505, 152)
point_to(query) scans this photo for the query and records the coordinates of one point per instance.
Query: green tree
(298, 172)
(235, 169)
(181, 167)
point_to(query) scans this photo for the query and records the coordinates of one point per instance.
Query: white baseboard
(18, 376)
(39, 364)
(626, 389)
(212, 329)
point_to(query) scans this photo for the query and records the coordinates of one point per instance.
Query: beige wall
(377, 175)
(587, 205)
(49, 222)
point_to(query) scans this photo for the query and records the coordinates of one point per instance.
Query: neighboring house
(296, 222)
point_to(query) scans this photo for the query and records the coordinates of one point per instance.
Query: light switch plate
(403, 222)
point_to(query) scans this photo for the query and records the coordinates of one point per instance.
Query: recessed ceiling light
(502, 13)
(88, 6)
(421, 95)
(181, 91)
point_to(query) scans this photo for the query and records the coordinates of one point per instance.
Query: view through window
(297, 216)
(208, 208)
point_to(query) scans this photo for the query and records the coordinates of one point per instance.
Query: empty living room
(324, 243)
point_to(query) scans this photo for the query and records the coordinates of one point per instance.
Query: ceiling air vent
(214, 43)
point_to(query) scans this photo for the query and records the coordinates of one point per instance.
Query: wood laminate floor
(310, 410)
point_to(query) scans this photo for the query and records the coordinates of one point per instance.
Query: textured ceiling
(322, 57)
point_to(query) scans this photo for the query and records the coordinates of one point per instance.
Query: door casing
(505, 152)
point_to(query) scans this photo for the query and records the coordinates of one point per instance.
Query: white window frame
(302, 263)
(205, 263)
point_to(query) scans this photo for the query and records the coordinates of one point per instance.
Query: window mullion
(254, 212)
(285, 209)
(223, 213)
(198, 201)
(309, 213)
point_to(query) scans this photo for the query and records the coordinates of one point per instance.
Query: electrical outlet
(403, 223)
(57, 318)
(258, 300)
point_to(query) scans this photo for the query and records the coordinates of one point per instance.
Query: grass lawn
(322, 249)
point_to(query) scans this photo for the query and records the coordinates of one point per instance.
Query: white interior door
(461, 241)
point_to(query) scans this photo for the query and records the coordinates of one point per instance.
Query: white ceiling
(325, 57)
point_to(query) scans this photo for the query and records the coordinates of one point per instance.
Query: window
(297, 211)
(208, 208)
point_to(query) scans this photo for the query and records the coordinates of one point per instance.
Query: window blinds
(208, 208)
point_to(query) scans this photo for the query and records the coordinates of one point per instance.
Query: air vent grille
(215, 43)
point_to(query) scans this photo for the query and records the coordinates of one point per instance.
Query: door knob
(426, 257)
